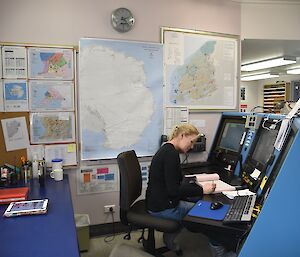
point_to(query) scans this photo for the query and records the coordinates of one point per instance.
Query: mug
(57, 164)
(57, 174)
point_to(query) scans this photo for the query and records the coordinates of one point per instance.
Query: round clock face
(122, 19)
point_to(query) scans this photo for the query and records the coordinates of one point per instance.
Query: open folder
(202, 210)
(204, 178)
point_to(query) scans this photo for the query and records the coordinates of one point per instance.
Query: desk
(52, 234)
(229, 235)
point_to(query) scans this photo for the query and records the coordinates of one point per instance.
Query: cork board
(12, 157)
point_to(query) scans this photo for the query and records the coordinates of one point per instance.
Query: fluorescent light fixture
(268, 63)
(293, 71)
(258, 77)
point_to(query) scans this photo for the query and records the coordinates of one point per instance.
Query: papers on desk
(202, 179)
(232, 194)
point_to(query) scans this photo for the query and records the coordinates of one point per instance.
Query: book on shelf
(204, 178)
(8, 195)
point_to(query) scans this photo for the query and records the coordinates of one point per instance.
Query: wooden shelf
(274, 93)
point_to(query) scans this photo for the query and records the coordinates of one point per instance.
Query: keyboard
(241, 209)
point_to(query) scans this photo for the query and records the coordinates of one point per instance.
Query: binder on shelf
(8, 195)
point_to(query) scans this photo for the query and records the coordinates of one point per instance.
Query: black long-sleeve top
(165, 177)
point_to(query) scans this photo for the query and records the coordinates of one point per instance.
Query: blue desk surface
(52, 234)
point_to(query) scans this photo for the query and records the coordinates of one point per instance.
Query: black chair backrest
(130, 179)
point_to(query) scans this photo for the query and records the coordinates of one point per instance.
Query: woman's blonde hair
(185, 129)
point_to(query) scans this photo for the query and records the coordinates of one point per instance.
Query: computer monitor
(264, 146)
(231, 136)
(227, 144)
(282, 155)
(261, 154)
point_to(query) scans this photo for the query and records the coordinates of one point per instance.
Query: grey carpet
(192, 244)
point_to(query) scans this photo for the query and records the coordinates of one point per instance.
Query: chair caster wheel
(127, 237)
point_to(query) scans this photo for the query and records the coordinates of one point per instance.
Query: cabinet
(275, 93)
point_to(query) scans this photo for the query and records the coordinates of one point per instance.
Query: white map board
(200, 69)
(121, 95)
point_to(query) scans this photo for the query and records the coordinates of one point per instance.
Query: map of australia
(120, 97)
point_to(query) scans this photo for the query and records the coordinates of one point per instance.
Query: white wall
(270, 21)
(64, 22)
(252, 98)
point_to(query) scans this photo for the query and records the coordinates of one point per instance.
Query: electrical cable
(185, 159)
(112, 236)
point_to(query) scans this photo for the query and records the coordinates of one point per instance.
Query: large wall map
(200, 70)
(121, 92)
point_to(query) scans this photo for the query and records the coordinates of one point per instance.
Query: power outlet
(109, 208)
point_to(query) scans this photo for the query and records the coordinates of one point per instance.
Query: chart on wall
(121, 97)
(200, 69)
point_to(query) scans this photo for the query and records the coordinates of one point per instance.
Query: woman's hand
(209, 188)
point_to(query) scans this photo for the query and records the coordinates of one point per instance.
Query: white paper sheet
(15, 133)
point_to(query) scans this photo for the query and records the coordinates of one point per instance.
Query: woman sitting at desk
(165, 189)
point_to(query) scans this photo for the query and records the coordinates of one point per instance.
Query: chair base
(149, 246)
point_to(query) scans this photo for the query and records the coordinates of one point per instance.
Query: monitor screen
(264, 146)
(231, 136)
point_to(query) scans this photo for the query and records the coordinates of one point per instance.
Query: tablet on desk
(26, 208)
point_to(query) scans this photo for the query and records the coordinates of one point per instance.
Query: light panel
(258, 77)
(268, 63)
(293, 71)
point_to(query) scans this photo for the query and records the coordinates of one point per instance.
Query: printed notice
(97, 179)
(14, 62)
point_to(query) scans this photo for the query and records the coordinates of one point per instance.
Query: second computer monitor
(227, 144)
(261, 154)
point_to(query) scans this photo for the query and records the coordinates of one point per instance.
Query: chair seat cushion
(138, 215)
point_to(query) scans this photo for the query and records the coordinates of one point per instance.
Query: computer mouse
(216, 205)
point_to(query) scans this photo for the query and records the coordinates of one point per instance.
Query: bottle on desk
(35, 167)
(42, 172)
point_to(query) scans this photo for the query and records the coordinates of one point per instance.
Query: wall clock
(122, 19)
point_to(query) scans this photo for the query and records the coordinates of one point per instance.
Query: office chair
(133, 212)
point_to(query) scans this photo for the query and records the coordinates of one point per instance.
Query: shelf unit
(275, 93)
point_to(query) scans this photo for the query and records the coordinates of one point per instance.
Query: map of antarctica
(121, 87)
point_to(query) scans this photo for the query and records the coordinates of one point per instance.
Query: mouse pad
(202, 209)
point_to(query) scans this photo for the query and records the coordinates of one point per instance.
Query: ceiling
(268, 1)
(259, 49)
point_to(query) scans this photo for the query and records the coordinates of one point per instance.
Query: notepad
(8, 195)
(202, 210)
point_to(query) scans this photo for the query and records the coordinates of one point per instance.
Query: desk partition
(276, 230)
(48, 235)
